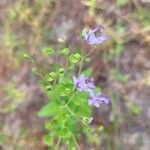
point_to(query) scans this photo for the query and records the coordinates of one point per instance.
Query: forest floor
(121, 66)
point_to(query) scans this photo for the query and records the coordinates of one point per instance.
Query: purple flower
(84, 83)
(97, 98)
(91, 37)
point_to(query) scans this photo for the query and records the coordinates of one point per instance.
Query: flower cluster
(86, 84)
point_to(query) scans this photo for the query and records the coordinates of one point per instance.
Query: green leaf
(84, 109)
(49, 109)
(72, 125)
(82, 96)
(79, 104)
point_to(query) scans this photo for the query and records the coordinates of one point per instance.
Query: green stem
(71, 112)
(74, 139)
(37, 68)
(57, 145)
(82, 60)
(81, 64)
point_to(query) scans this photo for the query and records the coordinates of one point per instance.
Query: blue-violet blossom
(84, 83)
(91, 38)
(97, 98)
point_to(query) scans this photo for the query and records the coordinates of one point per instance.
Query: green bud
(61, 40)
(101, 128)
(83, 32)
(61, 71)
(136, 110)
(50, 77)
(47, 125)
(26, 56)
(48, 51)
(87, 60)
(67, 90)
(65, 51)
(48, 87)
(74, 58)
(34, 71)
(48, 140)
(85, 121)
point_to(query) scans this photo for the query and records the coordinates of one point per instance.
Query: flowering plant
(70, 97)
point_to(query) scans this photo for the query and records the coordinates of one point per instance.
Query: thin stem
(57, 145)
(77, 145)
(91, 52)
(37, 67)
(81, 64)
(82, 60)
(71, 112)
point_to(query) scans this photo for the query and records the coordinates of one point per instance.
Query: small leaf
(87, 72)
(48, 110)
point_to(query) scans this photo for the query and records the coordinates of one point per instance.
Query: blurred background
(121, 66)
